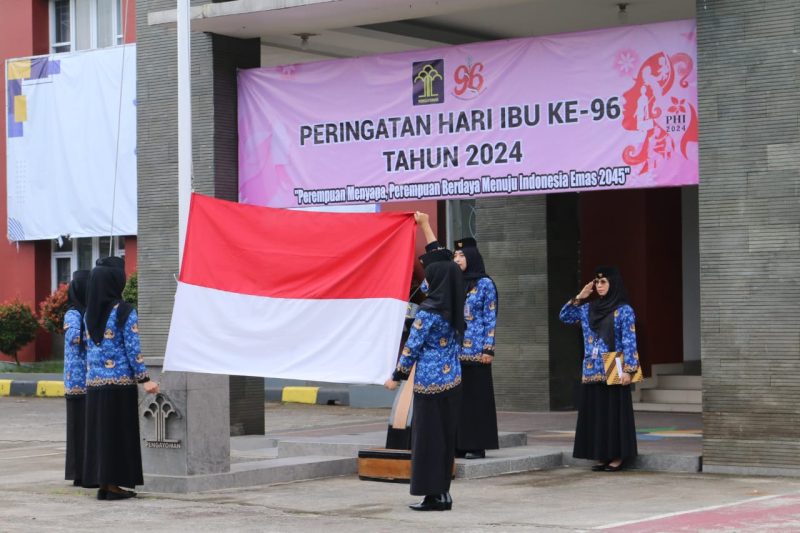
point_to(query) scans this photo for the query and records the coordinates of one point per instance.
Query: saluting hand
(587, 291)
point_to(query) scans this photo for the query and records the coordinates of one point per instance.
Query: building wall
(512, 237)
(23, 32)
(749, 62)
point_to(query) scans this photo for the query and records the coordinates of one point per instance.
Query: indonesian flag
(291, 294)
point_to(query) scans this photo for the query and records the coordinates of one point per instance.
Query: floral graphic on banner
(626, 61)
(657, 88)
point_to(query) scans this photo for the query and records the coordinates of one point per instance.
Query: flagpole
(184, 123)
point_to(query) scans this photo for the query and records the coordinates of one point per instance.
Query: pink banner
(605, 109)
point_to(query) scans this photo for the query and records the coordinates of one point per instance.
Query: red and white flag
(290, 294)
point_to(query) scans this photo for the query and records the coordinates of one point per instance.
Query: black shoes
(104, 494)
(442, 502)
(478, 454)
(607, 467)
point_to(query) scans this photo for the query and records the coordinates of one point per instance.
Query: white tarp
(64, 115)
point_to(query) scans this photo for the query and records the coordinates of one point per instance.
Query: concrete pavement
(34, 496)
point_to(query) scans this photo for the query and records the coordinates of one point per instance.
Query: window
(461, 219)
(80, 254)
(85, 24)
(61, 25)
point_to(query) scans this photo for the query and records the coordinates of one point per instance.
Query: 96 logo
(468, 80)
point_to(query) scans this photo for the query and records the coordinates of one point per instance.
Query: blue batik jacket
(117, 360)
(480, 316)
(432, 345)
(74, 355)
(595, 347)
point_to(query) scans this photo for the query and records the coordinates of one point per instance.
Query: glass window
(119, 18)
(85, 256)
(85, 24)
(85, 36)
(461, 220)
(62, 21)
(121, 243)
(63, 270)
(106, 31)
(103, 243)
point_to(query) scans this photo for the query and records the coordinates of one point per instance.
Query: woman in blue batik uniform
(114, 367)
(606, 431)
(75, 376)
(433, 345)
(477, 425)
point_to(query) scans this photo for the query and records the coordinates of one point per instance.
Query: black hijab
(446, 294)
(111, 261)
(475, 268)
(77, 290)
(601, 310)
(105, 291)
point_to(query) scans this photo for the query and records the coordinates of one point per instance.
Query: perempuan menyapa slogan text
(454, 155)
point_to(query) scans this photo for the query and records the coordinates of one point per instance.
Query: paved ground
(33, 496)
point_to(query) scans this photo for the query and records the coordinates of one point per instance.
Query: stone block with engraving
(185, 428)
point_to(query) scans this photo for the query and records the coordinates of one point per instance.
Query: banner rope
(124, 15)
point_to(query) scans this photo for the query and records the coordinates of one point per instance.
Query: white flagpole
(184, 123)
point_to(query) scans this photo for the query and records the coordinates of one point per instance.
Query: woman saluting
(606, 431)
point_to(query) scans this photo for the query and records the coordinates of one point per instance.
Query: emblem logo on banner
(428, 82)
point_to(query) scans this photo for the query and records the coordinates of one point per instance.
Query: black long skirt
(433, 441)
(606, 429)
(113, 455)
(477, 424)
(76, 433)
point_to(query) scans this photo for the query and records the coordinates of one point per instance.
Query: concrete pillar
(748, 64)
(512, 235)
(186, 431)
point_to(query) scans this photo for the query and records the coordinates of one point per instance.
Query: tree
(131, 292)
(17, 327)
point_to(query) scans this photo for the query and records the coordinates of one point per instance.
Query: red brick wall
(24, 269)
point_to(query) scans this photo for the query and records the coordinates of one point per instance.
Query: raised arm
(423, 221)
(571, 312)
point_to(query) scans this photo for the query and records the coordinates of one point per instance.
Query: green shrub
(17, 327)
(131, 292)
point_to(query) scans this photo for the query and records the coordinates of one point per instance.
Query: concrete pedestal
(185, 429)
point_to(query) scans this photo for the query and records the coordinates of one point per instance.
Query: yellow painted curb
(50, 388)
(300, 394)
(5, 387)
